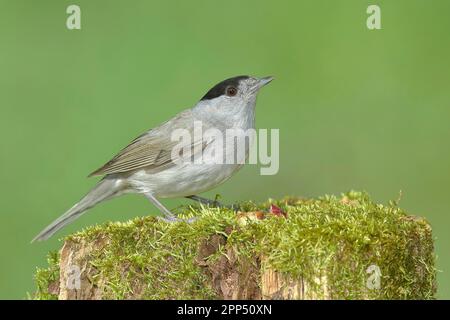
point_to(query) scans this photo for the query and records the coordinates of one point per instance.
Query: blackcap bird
(147, 166)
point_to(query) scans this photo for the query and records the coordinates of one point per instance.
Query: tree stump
(329, 248)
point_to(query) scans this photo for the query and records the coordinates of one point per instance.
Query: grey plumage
(146, 166)
(151, 150)
(104, 190)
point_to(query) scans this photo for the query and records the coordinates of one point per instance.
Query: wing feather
(152, 150)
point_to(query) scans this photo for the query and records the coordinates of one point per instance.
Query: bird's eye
(231, 91)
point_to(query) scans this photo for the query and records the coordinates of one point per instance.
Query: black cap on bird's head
(230, 87)
(221, 88)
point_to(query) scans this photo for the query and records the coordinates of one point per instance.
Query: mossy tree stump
(329, 248)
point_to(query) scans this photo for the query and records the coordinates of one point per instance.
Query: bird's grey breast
(222, 114)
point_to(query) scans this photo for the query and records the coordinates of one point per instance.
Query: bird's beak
(261, 83)
(264, 81)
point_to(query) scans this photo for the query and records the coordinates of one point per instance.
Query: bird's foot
(208, 202)
(168, 215)
(173, 219)
(212, 203)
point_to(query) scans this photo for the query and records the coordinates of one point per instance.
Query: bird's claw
(173, 219)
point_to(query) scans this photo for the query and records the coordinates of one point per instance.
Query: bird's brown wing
(152, 150)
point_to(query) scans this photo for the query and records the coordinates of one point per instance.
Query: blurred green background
(357, 109)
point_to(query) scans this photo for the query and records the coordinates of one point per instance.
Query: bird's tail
(104, 190)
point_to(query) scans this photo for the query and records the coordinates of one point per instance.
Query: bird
(147, 165)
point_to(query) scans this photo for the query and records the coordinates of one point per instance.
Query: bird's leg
(202, 200)
(168, 215)
(213, 203)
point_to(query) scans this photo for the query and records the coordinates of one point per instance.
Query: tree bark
(231, 275)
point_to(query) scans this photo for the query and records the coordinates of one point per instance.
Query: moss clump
(339, 237)
(47, 279)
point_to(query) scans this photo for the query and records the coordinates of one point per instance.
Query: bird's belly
(182, 180)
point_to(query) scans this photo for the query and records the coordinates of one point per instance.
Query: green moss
(47, 278)
(339, 237)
